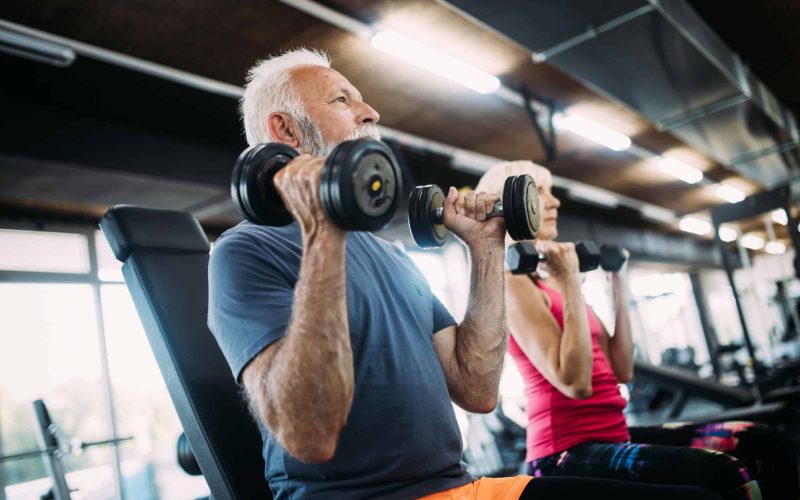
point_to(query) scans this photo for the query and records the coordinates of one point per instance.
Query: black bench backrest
(165, 264)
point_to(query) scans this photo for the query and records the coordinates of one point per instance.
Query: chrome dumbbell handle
(497, 211)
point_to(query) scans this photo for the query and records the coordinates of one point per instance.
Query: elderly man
(349, 361)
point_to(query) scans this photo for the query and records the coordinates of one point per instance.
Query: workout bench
(165, 265)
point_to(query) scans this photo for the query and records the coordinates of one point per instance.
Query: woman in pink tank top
(571, 366)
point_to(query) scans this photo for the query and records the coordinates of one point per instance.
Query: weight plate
(423, 202)
(252, 186)
(508, 205)
(533, 213)
(525, 209)
(361, 185)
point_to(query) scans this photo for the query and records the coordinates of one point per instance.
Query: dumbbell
(612, 258)
(359, 189)
(519, 208)
(523, 257)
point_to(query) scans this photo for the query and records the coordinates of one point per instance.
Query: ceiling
(91, 135)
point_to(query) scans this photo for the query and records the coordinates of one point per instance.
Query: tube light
(729, 193)
(434, 61)
(728, 234)
(681, 170)
(695, 226)
(779, 216)
(775, 248)
(591, 130)
(752, 242)
(658, 214)
(594, 196)
(28, 47)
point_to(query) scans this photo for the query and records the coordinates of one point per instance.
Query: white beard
(311, 140)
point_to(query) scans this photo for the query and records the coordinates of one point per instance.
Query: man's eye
(342, 99)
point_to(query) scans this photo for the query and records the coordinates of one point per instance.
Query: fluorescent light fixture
(729, 193)
(728, 234)
(775, 248)
(779, 216)
(681, 170)
(658, 214)
(35, 49)
(591, 130)
(694, 225)
(752, 242)
(471, 161)
(594, 196)
(434, 61)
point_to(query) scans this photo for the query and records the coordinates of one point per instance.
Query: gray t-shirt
(401, 439)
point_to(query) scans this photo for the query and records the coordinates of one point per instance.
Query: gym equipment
(55, 448)
(186, 457)
(165, 265)
(612, 258)
(523, 257)
(659, 394)
(519, 208)
(360, 185)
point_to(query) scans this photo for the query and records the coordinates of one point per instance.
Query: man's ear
(282, 129)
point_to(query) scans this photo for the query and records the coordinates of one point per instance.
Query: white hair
(269, 89)
(494, 179)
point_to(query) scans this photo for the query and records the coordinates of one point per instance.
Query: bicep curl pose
(348, 360)
(572, 366)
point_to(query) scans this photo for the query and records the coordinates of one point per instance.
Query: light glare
(775, 248)
(591, 130)
(695, 226)
(729, 193)
(779, 217)
(680, 170)
(434, 61)
(752, 242)
(728, 234)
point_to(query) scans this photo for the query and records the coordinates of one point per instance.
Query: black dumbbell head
(588, 255)
(521, 207)
(253, 187)
(424, 200)
(522, 257)
(612, 258)
(361, 185)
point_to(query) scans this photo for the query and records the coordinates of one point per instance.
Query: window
(44, 252)
(49, 350)
(669, 330)
(69, 335)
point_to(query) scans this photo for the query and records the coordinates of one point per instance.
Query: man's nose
(368, 115)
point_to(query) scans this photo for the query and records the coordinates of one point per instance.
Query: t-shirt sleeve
(250, 298)
(441, 316)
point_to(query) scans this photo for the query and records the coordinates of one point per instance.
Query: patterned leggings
(689, 454)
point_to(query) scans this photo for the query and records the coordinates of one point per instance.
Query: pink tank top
(557, 422)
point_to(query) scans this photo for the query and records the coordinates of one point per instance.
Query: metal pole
(745, 333)
(711, 339)
(48, 441)
(104, 368)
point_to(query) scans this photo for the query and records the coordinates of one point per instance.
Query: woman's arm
(563, 358)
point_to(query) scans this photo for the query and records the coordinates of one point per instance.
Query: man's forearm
(309, 386)
(482, 335)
